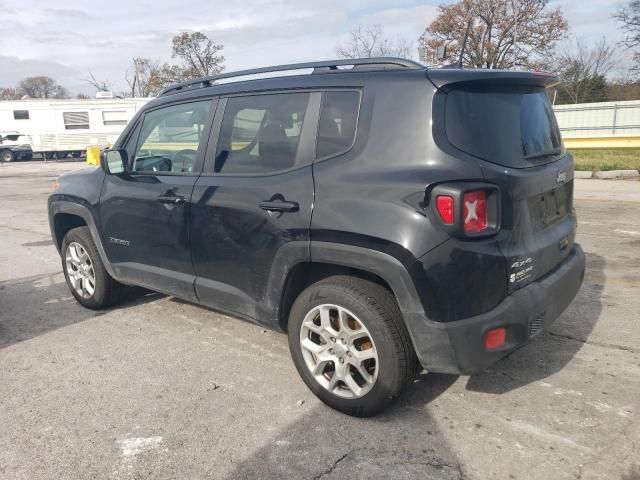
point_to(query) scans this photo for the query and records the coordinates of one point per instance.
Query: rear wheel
(349, 343)
(86, 276)
(7, 156)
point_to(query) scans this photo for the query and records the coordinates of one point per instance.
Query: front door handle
(171, 199)
(279, 206)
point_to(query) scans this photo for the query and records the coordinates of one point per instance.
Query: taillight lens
(444, 204)
(474, 211)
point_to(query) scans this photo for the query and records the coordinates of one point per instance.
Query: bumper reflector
(495, 338)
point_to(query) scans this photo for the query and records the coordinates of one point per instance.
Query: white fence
(603, 119)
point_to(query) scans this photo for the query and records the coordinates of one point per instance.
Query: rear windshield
(514, 127)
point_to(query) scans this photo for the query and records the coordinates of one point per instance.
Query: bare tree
(136, 77)
(199, 55)
(99, 85)
(10, 93)
(494, 26)
(583, 68)
(42, 87)
(199, 58)
(145, 78)
(623, 88)
(629, 15)
(368, 42)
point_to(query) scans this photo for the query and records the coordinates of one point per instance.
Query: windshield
(514, 127)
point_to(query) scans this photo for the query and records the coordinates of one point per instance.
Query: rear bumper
(458, 347)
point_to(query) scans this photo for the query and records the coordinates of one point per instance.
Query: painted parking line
(632, 233)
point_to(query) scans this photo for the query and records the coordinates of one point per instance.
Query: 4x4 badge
(562, 177)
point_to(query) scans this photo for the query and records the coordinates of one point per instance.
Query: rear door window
(338, 121)
(261, 133)
(514, 127)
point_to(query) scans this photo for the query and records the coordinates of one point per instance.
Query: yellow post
(93, 156)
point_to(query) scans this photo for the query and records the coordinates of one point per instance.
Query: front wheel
(86, 276)
(350, 345)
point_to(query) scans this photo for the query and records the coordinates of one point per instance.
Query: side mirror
(113, 162)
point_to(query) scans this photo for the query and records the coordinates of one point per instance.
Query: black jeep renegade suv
(389, 217)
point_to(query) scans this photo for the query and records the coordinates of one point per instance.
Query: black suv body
(441, 199)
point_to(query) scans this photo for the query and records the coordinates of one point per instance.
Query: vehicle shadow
(551, 351)
(36, 305)
(404, 442)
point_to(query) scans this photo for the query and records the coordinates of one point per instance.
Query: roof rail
(318, 67)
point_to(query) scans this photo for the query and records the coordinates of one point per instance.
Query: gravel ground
(159, 388)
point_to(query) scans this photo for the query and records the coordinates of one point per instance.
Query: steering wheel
(184, 158)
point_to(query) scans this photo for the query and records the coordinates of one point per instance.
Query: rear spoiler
(448, 77)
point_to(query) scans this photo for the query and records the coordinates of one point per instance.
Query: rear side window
(514, 127)
(338, 120)
(261, 133)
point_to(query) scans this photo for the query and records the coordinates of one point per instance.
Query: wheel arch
(65, 215)
(328, 259)
(62, 223)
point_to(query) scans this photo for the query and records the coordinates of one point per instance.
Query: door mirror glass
(114, 162)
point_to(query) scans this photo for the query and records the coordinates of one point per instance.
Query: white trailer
(62, 127)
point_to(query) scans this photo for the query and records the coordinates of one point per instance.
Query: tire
(371, 307)
(7, 156)
(106, 291)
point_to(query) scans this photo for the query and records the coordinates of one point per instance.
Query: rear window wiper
(543, 153)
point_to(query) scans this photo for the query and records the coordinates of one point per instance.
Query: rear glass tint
(338, 119)
(512, 127)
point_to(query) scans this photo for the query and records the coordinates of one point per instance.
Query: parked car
(389, 217)
(14, 146)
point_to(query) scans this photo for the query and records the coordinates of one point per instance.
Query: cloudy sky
(67, 39)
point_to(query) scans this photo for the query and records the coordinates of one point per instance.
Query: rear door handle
(279, 206)
(171, 199)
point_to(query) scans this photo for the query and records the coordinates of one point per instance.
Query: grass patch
(595, 159)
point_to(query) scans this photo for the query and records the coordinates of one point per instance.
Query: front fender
(57, 206)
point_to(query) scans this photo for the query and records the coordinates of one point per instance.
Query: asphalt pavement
(158, 388)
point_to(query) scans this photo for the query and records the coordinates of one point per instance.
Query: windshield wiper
(544, 153)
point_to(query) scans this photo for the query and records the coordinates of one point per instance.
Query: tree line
(497, 34)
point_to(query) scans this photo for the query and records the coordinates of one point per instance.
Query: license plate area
(551, 206)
